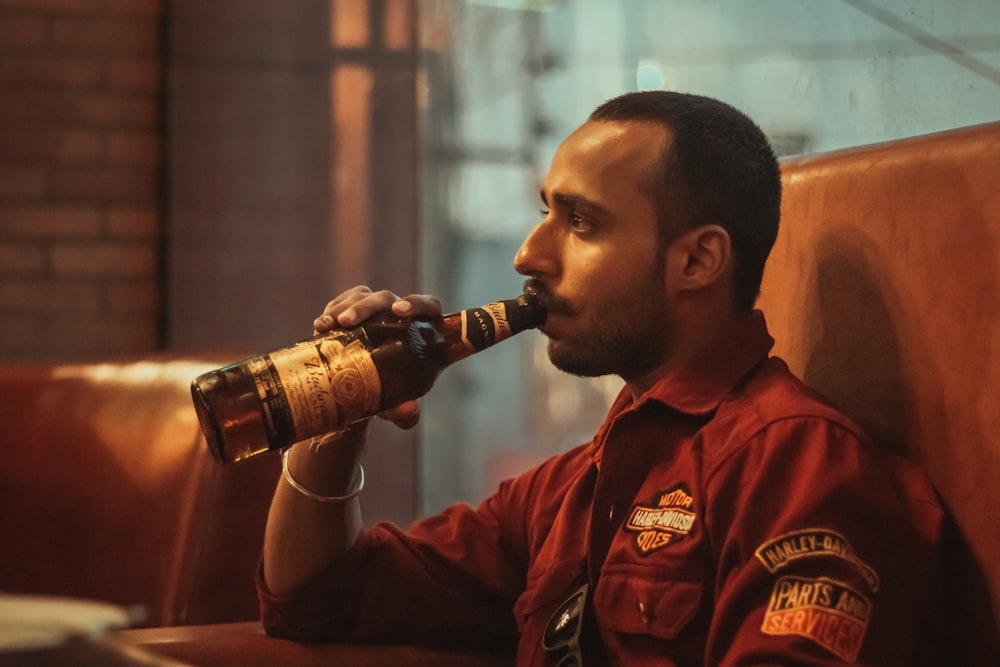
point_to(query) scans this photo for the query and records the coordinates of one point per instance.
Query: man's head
(645, 212)
(718, 168)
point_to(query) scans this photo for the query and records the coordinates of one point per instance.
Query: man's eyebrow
(576, 201)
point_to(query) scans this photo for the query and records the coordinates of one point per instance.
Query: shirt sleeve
(454, 575)
(827, 550)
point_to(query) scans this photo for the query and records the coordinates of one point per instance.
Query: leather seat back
(882, 292)
(108, 491)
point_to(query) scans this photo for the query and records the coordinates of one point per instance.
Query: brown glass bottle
(329, 381)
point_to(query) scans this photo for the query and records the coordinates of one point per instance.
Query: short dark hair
(718, 168)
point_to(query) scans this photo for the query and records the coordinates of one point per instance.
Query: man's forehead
(615, 143)
(603, 151)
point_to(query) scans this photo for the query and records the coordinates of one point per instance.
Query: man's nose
(536, 256)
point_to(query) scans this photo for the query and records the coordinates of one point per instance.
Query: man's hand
(354, 306)
(357, 304)
(304, 536)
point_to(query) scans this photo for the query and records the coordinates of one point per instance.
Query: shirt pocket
(646, 601)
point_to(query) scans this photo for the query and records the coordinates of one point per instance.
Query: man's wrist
(356, 487)
(327, 466)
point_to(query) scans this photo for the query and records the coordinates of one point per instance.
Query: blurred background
(181, 177)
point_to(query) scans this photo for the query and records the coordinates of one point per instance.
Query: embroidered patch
(666, 520)
(826, 611)
(809, 543)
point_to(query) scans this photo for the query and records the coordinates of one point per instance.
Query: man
(723, 513)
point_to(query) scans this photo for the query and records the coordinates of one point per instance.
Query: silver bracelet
(353, 493)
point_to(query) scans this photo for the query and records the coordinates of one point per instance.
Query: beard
(628, 338)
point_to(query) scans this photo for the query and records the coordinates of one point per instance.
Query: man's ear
(698, 258)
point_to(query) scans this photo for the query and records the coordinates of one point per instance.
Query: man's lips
(557, 308)
(554, 305)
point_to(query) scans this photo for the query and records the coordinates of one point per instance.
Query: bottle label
(485, 326)
(277, 419)
(326, 383)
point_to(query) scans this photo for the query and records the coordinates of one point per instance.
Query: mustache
(552, 303)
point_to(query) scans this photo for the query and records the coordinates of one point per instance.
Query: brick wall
(80, 178)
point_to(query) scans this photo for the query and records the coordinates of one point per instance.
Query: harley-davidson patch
(821, 609)
(666, 520)
(780, 551)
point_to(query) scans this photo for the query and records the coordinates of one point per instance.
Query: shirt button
(642, 614)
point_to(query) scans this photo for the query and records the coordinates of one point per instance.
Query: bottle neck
(473, 330)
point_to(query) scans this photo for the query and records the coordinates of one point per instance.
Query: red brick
(104, 259)
(104, 35)
(80, 156)
(121, 110)
(21, 31)
(133, 298)
(21, 258)
(21, 337)
(142, 148)
(124, 111)
(134, 74)
(75, 72)
(101, 337)
(62, 6)
(48, 297)
(136, 7)
(49, 221)
(104, 185)
(32, 145)
(136, 223)
(18, 182)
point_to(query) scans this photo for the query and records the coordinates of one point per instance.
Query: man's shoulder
(772, 393)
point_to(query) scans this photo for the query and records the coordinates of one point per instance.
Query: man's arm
(828, 551)
(304, 535)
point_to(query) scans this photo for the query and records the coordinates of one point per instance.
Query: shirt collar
(698, 385)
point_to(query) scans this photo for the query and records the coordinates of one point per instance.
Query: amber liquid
(330, 381)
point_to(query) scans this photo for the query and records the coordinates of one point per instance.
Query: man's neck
(697, 333)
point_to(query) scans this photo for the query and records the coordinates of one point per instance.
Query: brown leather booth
(882, 292)
(108, 492)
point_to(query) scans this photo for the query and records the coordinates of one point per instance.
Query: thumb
(406, 415)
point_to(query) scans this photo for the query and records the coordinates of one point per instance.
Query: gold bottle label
(485, 326)
(327, 383)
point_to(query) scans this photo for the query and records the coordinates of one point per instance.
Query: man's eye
(577, 222)
(543, 211)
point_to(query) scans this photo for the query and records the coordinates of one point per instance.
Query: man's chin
(562, 356)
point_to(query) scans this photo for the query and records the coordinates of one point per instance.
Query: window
(501, 82)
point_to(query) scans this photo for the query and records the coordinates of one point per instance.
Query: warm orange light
(349, 23)
(398, 24)
(350, 95)
(140, 430)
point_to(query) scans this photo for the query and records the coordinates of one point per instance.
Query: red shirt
(744, 520)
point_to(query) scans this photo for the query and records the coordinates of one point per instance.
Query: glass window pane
(504, 81)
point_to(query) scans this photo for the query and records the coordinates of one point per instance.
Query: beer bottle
(329, 381)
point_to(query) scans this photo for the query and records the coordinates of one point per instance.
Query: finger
(328, 318)
(364, 306)
(417, 305)
(406, 415)
(352, 307)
